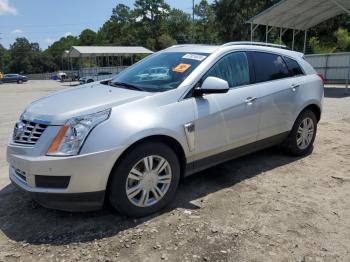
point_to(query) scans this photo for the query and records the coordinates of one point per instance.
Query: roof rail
(255, 43)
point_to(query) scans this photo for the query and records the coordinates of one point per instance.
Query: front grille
(27, 132)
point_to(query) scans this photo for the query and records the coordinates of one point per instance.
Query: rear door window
(234, 68)
(293, 67)
(269, 67)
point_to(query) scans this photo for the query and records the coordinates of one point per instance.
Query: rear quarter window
(293, 67)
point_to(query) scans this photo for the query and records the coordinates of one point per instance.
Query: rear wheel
(145, 180)
(300, 140)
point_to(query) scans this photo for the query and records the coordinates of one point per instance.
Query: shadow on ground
(336, 92)
(21, 221)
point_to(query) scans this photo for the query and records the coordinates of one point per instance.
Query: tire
(89, 81)
(122, 180)
(292, 145)
(19, 82)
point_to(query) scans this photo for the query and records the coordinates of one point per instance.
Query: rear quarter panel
(310, 92)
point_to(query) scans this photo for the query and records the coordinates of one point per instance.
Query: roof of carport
(301, 14)
(86, 51)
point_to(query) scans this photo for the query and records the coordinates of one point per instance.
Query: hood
(86, 99)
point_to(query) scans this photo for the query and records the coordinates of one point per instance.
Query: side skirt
(214, 160)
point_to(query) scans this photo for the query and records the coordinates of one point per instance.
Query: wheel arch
(165, 139)
(315, 109)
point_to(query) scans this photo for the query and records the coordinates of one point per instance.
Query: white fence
(82, 72)
(334, 67)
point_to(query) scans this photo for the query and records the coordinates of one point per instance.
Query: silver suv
(130, 140)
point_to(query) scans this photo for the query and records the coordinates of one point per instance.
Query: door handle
(250, 100)
(294, 87)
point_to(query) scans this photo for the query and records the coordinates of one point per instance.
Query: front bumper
(74, 202)
(87, 178)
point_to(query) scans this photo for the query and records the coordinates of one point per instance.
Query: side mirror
(212, 85)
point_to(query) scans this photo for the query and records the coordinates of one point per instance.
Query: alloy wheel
(148, 181)
(305, 133)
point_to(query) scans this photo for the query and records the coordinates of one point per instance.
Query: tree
(343, 39)
(319, 48)
(232, 15)
(28, 58)
(56, 49)
(120, 28)
(4, 59)
(205, 26)
(21, 54)
(87, 37)
(179, 26)
(151, 18)
(165, 41)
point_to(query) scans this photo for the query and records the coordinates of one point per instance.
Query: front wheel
(301, 138)
(145, 180)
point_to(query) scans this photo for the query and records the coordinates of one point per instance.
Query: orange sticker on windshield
(180, 68)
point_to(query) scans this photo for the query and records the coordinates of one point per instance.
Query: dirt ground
(262, 207)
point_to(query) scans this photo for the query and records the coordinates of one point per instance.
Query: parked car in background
(97, 77)
(131, 139)
(62, 76)
(14, 78)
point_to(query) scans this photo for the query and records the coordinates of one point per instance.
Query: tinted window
(269, 67)
(293, 67)
(233, 68)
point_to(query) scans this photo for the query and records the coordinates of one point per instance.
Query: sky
(45, 21)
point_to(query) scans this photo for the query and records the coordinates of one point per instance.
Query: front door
(226, 121)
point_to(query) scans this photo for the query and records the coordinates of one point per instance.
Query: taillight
(322, 78)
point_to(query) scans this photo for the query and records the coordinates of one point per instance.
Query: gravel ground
(263, 207)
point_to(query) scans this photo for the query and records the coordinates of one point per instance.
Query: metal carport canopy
(88, 51)
(301, 14)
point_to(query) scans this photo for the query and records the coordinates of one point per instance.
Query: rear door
(226, 121)
(277, 91)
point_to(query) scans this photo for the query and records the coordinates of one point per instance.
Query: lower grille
(28, 132)
(20, 174)
(59, 182)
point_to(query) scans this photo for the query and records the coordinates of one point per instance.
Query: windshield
(160, 72)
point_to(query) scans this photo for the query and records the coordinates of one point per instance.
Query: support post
(193, 29)
(281, 35)
(267, 33)
(347, 79)
(251, 32)
(305, 40)
(293, 39)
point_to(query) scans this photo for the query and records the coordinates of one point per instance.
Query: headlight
(72, 135)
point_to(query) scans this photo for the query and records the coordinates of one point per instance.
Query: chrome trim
(190, 136)
(27, 132)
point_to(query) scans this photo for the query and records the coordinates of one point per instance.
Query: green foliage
(206, 27)
(318, 48)
(26, 57)
(4, 59)
(56, 49)
(232, 15)
(87, 37)
(179, 26)
(343, 39)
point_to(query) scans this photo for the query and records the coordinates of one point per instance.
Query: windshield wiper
(126, 85)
